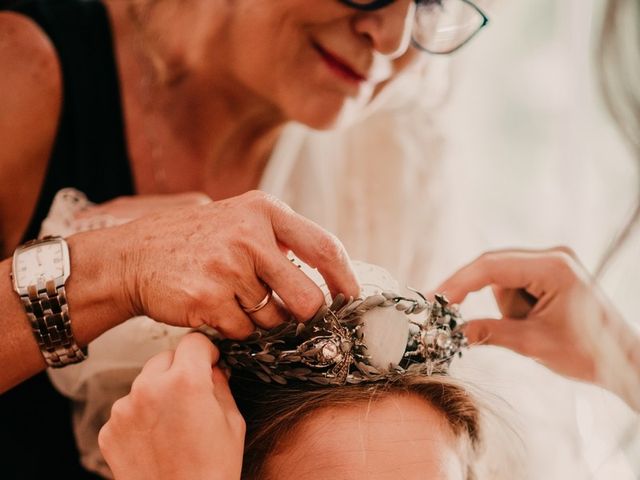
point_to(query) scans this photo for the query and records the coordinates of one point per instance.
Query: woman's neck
(188, 128)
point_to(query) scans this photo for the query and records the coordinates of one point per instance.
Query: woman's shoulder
(28, 54)
(30, 105)
(31, 83)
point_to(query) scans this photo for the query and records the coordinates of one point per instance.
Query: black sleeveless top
(89, 154)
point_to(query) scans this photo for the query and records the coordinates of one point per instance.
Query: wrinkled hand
(198, 265)
(178, 422)
(552, 311)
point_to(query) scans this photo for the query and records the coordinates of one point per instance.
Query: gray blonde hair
(619, 75)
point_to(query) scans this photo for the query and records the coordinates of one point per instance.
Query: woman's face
(399, 437)
(313, 59)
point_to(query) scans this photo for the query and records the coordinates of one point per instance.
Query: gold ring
(259, 306)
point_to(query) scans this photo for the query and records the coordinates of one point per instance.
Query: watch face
(39, 263)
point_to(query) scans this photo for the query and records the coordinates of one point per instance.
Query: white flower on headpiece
(384, 331)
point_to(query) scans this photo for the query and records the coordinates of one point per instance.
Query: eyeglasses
(440, 26)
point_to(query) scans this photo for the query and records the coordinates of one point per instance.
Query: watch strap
(48, 315)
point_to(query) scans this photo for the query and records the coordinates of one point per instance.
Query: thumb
(508, 333)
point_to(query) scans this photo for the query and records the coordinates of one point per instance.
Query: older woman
(166, 97)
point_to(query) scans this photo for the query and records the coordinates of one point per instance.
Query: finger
(515, 269)
(316, 247)
(251, 294)
(222, 391)
(121, 408)
(508, 333)
(231, 321)
(195, 353)
(514, 302)
(302, 297)
(566, 250)
(156, 365)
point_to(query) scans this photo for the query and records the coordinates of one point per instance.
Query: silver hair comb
(332, 347)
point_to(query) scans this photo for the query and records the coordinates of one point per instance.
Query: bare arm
(30, 98)
(30, 104)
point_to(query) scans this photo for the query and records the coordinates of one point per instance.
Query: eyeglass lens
(442, 27)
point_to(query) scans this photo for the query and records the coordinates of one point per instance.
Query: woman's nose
(388, 29)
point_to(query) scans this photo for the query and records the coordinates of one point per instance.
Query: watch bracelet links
(48, 315)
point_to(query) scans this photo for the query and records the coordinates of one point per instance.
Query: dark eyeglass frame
(378, 4)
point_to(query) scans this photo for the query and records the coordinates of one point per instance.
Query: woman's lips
(339, 66)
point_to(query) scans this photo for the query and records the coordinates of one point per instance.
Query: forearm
(619, 369)
(94, 299)
(629, 388)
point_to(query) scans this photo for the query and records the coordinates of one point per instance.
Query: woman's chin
(323, 118)
(329, 115)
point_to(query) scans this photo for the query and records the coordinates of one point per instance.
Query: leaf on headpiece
(266, 369)
(367, 368)
(262, 376)
(338, 302)
(320, 380)
(257, 335)
(243, 361)
(350, 308)
(373, 301)
(265, 357)
(441, 299)
(319, 315)
(311, 352)
(279, 330)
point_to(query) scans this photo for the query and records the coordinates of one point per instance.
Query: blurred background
(534, 159)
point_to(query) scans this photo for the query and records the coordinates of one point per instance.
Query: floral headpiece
(353, 341)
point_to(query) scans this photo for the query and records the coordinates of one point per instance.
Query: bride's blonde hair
(273, 411)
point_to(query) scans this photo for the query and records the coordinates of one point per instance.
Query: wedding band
(258, 306)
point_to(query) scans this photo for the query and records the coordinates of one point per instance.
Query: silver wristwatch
(40, 270)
